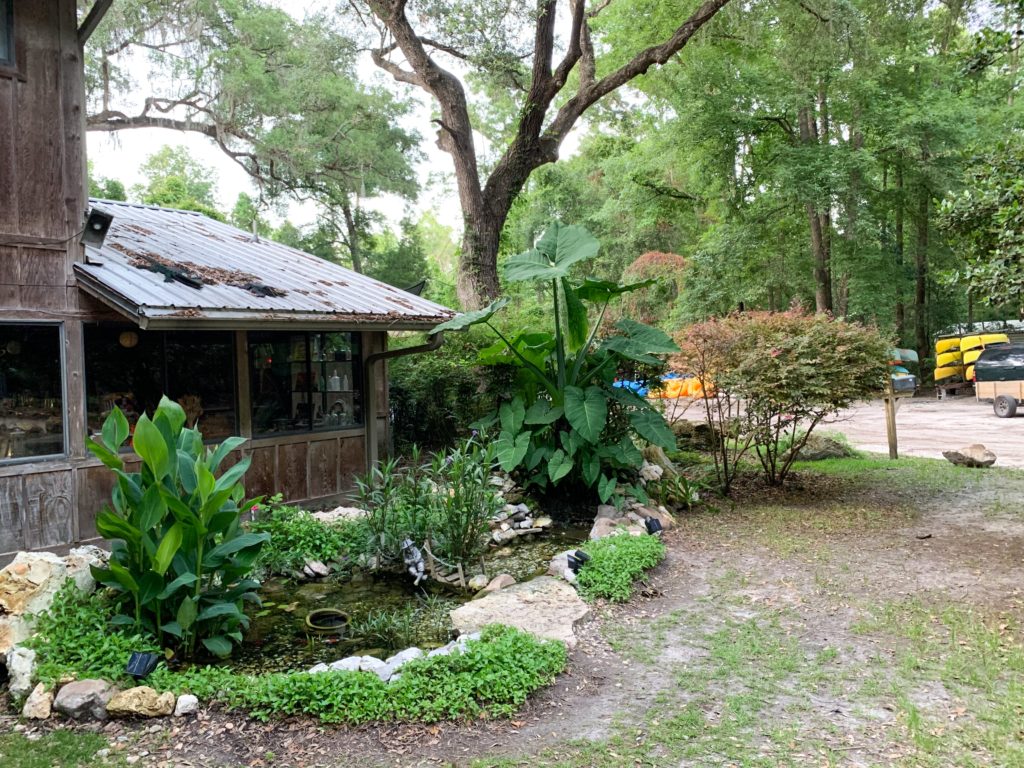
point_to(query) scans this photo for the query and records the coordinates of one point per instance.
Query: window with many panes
(132, 369)
(303, 382)
(31, 391)
(6, 33)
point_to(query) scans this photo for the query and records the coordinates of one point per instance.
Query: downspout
(434, 342)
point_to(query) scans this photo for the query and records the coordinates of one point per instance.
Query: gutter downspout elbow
(434, 342)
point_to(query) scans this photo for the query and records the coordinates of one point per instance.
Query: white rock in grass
(402, 657)
(348, 664)
(39, 704)
(187, 704)
(316, 670)
(21, 665)
(375, 665)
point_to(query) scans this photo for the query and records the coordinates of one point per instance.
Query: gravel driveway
(926, 426)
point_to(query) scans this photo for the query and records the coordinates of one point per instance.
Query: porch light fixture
(96, 225)
(128, 339)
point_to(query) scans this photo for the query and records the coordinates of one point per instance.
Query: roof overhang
(149, 317)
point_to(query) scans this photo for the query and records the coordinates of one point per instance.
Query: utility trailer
(999, 377)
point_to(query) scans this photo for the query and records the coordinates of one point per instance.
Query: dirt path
(858, 619)
(926, 427)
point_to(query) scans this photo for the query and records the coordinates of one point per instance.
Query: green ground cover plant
(296, 537)
(616, 562)
(180, 558)
(493, 675)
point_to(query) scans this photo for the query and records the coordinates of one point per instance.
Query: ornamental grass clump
(616, 562)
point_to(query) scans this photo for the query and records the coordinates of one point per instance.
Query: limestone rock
(28, 584)
(543, 522)
(79, 562)
(976, 455)
(656, 455)
(401, 658)
(39, 704)
(819, 448)
(348, 664)
(608, 511)
(660, 514)
(605, 526)
(21, 665)
(559, 563)
(141, 701)
(314, 569)
(316, 669)
(478, 582)
(187, 704)
(84, 699)
(500, 581)
(545, 606)
(444, 650)
(339, 515)
(375, 665)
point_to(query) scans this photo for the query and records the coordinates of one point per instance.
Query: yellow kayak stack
(955, 356)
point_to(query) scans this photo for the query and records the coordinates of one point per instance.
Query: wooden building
(250, 336)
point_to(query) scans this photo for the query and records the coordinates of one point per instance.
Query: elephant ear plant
(180, 558)
(568, 421)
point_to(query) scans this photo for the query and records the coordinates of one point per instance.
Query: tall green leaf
(557, 250)
(149, 443)
(587, 411)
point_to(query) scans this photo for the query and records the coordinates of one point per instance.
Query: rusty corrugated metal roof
(168, 268)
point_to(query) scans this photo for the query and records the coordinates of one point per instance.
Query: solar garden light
(141, 663)
(577, 559)
(653, 526)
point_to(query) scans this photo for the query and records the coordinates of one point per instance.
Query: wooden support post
(890, 420)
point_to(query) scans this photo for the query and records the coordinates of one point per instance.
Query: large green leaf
(510, 451)
(559, 465)
(115, 430)
(591, 468)
(218, 645)
(466, 319)
(111, 526)
(511, 415)
(587, 411)
(149, 443)
(174, 413)
(576, 322)
(101, 452)
(557, 250)
(652, 427)
(186, 579)
(542, 412)
(217, 555)
(169, 546)
(605, 488)
(187, 613)
(223, 450)
(217, 610)
(600, 291)
(123, 577)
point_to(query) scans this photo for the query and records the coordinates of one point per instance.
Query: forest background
(860, 157)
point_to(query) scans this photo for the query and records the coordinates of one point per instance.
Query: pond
(387, 613)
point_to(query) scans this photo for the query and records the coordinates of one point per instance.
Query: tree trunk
(819, 224)
(921, 264)
(478, 262)
(901, 308)
(352, 237)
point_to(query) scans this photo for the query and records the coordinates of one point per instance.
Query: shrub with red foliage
(653, 304)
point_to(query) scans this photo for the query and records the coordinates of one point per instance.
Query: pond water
(387, 613)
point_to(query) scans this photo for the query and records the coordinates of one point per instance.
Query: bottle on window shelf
(334, 383)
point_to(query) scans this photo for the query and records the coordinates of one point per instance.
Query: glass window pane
(31, 391)
(133, 369)
(6, 32)
(280, 382)
(305, 381)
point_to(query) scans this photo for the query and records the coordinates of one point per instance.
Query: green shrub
(615, 563)
(447, 501)
(74, 638)
(494, 675)
(566, 422)
(179, 556)
(296, 537)
(434, 398)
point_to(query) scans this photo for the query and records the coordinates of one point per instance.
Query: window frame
(254, 338)
(65, 425)
(164, 374)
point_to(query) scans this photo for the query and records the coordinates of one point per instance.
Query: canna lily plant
(180, 558)
(568, 420)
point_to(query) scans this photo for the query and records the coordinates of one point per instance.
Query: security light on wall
(96, 225)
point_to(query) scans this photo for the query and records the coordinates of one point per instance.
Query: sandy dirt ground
(926, 427)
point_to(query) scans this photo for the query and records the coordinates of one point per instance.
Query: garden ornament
(413, 559)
